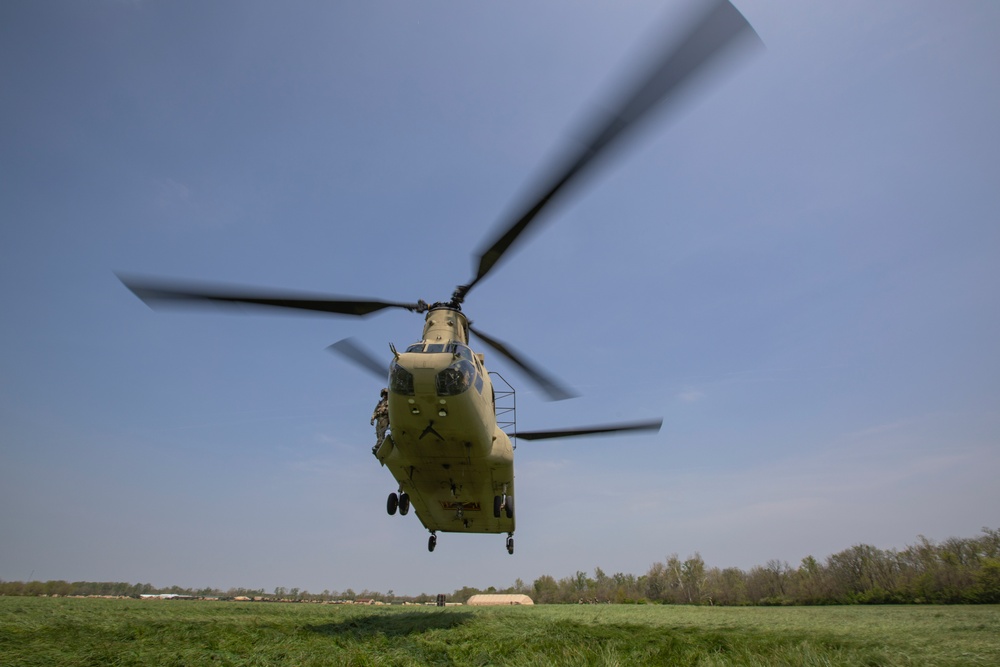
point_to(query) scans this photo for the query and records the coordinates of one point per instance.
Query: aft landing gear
(432, 542)
(510, 543)
(400, 502)
(503, 504)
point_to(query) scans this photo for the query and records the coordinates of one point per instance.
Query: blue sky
(796, 266)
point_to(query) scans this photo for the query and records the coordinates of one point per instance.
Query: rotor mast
(445, 324)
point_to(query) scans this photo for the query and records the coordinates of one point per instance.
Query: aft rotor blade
(590, 430)
(361, 357)
(547, 383)
(157, 293)
(720, 27)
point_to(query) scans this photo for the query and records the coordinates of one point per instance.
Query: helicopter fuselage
(446, 450)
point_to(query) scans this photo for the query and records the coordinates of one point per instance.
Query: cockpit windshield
(459, 350)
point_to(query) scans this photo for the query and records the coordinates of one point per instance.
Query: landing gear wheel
(510, 544)
(497, 506)
(432, 542)
(391, 503)
(404, 504)
(508, 504)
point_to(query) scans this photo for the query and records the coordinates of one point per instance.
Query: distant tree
(725, 587)
(34, 588)
(987, 589)
(693, 578)
(778, 573)
(56, 588)
(546, 589)
(463, 594)
(655, 582)
(810, 582)
(675, 580)
(989, 543)
(758, 586)
(625, 588)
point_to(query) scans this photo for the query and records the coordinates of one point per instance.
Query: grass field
(62, 631)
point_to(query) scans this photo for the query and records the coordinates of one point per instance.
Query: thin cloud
(170, 194)
(691, 395)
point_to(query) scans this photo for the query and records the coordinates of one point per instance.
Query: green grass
(50, 631)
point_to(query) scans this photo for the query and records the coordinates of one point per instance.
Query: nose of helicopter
(422, 370)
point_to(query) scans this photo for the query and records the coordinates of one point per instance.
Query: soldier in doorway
(380, 419)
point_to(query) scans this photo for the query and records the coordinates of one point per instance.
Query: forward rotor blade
(591, 430)
(720, 27)
(547, 383)
(185, 295)
(361, 357)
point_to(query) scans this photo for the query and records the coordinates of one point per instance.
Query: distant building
(485, 599)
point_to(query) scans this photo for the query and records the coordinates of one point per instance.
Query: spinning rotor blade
(157, 293)
(361, 357)
(591, 430)
(550, 386)
(720, 27)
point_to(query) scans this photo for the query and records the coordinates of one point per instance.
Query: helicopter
(446, 446)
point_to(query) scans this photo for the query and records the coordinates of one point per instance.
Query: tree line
(954, 571)
(122, 589)
(957, 570)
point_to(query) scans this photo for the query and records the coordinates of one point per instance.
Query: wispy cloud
(170, 193)
(691, 395)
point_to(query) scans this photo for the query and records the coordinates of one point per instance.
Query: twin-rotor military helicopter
(452, 459)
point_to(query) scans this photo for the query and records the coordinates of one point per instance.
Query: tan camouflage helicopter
(448, 449)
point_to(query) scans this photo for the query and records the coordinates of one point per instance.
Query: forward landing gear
(510, 543)
(432, 542)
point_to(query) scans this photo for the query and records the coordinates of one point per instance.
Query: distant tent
(498, 599)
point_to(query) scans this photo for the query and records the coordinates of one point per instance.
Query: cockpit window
(400, 380)
(457, 349)
(455, 379)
